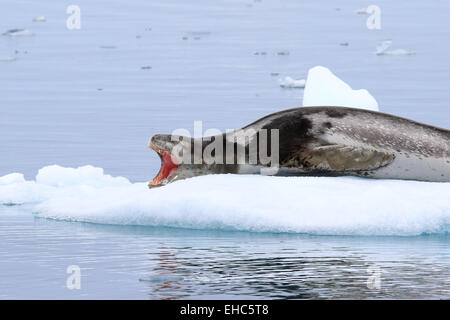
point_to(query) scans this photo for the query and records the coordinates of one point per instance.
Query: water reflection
(231, 272)
(124, 262)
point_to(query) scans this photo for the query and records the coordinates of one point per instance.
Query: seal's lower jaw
(167, 171)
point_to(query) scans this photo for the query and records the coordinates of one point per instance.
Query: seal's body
(327, 141)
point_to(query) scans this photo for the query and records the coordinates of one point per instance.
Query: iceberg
(323, 88)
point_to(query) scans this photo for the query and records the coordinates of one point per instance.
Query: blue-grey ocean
(94, 96)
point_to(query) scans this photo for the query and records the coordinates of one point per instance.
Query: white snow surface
(314, 205)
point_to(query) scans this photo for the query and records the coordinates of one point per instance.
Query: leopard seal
(318, 141)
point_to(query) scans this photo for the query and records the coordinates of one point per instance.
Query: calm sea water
(89, 96)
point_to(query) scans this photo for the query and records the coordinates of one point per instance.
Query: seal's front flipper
(344, 158)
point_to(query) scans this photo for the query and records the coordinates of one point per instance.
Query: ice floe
(314, 205)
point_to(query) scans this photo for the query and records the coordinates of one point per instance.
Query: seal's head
(166, 148)
(181, 159)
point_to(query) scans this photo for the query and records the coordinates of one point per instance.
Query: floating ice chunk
(353, 206)
(40, 19)
(382, 50)
(18, 33)
(323, 88)
(383, 46)
(289, 82)
(362, 11)
(6, 58)
(197, 35)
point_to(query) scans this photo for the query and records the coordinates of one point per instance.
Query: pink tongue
(169, 167)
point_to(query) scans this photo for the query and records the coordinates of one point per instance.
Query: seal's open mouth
(168, 168)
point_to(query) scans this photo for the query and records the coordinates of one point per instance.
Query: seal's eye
(168, 168)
